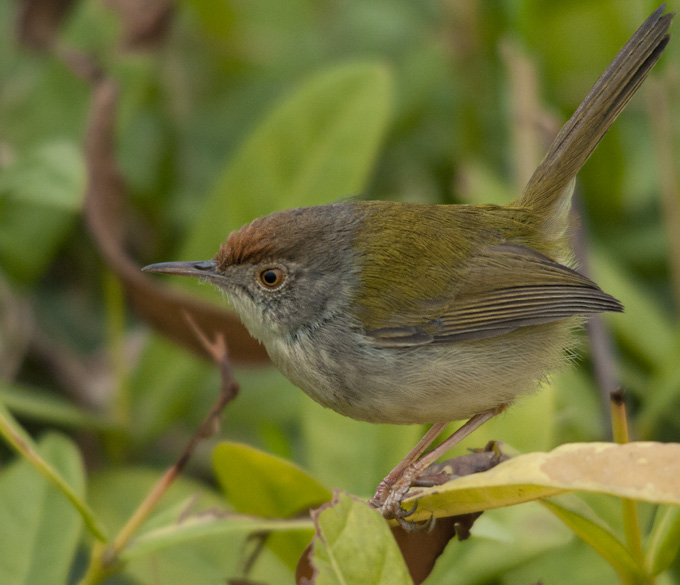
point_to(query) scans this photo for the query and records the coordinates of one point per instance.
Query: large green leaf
(265, 485)
(115, 494)
(40, 527)
(316, 146)
(353, 544)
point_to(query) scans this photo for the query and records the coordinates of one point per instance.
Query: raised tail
(548, 192)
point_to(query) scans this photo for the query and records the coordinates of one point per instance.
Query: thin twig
(105, 561)
(228, 391)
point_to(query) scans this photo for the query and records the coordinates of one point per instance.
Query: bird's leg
(393, 488)
(385, 486)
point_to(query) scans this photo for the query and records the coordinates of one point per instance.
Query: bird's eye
(271, 278)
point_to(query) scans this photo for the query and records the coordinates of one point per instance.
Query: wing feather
(508, 286)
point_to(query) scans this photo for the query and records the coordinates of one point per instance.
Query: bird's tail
(548, 192)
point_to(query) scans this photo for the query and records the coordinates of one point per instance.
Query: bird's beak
(200, 269)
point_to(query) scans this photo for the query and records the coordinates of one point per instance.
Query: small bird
(416, 313)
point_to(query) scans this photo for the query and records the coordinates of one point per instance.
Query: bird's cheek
(250, 314)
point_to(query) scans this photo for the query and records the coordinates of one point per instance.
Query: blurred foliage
(401, 100)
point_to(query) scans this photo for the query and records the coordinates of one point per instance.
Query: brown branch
(105, 217)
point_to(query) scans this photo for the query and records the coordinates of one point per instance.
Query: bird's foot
(388, 498)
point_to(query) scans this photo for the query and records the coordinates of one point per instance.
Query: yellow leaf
(645, 471)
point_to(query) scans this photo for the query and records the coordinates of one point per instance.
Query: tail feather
(548, 192)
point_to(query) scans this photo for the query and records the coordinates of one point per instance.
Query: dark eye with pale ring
(271, 278)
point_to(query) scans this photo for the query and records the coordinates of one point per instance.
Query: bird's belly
(424, 384)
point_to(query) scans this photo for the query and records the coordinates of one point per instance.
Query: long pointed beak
(200, 269)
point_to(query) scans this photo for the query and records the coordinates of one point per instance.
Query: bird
(412, 313)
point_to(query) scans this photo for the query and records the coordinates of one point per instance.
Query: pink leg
(456, 437)
(386, 484)
(392, 489)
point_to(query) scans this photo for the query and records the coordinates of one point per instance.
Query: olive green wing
(505, 287)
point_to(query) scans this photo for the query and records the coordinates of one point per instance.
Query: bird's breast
(342, 370)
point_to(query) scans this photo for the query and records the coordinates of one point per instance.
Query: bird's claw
(390, 507)
(396, 512)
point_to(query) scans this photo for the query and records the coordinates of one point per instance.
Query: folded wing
(507, 286)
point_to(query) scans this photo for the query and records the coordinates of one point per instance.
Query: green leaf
(664, 540)
(211, 523)
(318, 145)
(656, 341)
(353, 544)
(166, 386)
(583, 521)
(501, 542)
(40, 196)
(644, 471)
(23, 443)
(40, 528)
(216, 17)
(265, 485)
(49, 408)
(574, 558)
(661, 404)
(116, 493)
(52, 175)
